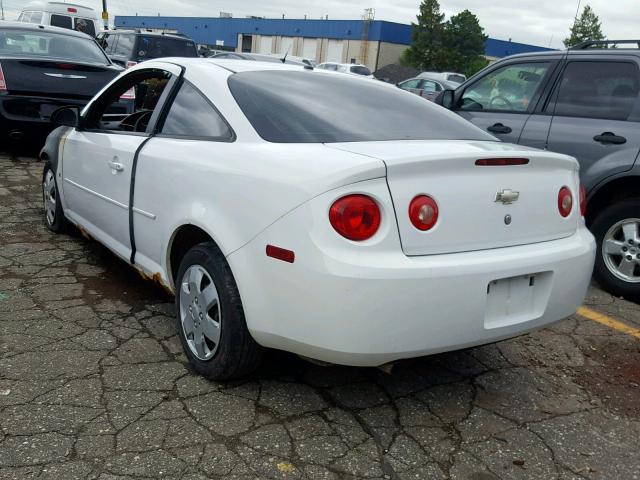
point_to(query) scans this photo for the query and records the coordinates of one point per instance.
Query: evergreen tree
(586, 27)
(465, 41)
(427, 48)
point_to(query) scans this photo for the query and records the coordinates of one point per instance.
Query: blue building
(374, 43)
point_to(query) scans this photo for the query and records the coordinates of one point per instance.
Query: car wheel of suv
(210, 318)
(617, 232)
(53, 213)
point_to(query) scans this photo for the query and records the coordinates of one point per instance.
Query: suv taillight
(3, 82)
(565, 201)
(356, 217)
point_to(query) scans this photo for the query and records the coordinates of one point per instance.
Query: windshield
(359, 70)
(157, 47)
(315, 107)
(27, 43)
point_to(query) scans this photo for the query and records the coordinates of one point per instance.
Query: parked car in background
(456, 78)
(43, 68)
(258, 57)
(350, 68)
(583, 102)
(426, 88)
(130, 47)
(71, 16)
(340, 234)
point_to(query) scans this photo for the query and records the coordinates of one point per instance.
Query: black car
(129, 47)
(43, 68)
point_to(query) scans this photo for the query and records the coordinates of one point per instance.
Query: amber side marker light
(501, 162)
(280, 254)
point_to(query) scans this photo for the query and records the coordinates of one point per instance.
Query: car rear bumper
(369, 310)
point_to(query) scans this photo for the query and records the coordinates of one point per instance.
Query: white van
(60, 14)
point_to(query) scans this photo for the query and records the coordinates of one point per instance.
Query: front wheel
(617, 232)
(53, 212)
(210, 318)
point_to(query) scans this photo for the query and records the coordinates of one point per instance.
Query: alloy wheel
(200, 314)
(50, 197)
(621, 250)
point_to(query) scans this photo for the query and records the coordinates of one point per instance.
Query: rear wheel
(210, 318)
(53, 212)
(617, 232)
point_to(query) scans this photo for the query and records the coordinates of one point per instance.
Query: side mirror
(447, 98)
(66, 117)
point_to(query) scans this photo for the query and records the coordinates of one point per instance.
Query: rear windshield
(316, 107)
(360, 70)
(456, 78)
(157, 47)
(46, 44)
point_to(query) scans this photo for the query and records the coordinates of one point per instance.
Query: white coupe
(326, 215)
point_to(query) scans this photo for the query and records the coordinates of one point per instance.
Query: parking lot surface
(93, 384)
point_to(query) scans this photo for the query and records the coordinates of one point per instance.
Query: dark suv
(583, 102)
(129, 47)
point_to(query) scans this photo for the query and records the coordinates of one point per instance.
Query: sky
(539, 22)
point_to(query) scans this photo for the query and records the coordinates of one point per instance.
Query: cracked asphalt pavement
(94, 385)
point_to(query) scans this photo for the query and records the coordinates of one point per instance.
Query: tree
(587, 27)
(465, 40)
(427, 48)
(456, 45)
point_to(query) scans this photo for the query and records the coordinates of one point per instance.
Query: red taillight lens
(356, 217)
(501, 162)
(565, 201)
(583, 201)
(131, 64)
(72, 10)
(3, 83)
(423, 212)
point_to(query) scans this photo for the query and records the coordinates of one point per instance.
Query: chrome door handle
(116, 167)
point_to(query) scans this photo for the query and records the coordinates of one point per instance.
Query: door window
(63, 21)
(36, 17)
(124, 46)
(129, 105)
(607, 90)
(410, 83)
(191, 115)
(84, 25)
(429, 86)
(510, 88)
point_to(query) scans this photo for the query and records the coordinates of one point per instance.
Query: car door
(98, 158)
(192, 132)
(412, 85)
(596, 114)
(429, 89)
(502, 100)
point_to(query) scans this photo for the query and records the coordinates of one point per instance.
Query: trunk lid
(470, 215)
(56, 78)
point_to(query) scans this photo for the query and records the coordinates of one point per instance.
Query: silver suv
(583, 102)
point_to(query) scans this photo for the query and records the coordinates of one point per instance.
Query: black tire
(237, 354)
(58, 223)
(606, 219)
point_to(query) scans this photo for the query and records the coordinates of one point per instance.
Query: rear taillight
(356, 217)
(130, 64)
(129, 94)
(423, 212)
(3, 83)
(565, 201)
(583, 201)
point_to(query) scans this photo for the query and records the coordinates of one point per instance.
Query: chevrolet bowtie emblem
(507, 196)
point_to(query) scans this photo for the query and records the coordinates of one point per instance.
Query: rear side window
(36, 17)
(456, 78)
(85, 25)
(607, 90)
(63, 21)
(340, 109)
(191, 115)
(124, 46)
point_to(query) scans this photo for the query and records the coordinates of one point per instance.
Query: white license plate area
(517, 299)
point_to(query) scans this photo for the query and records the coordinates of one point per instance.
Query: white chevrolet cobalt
(326, 215)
